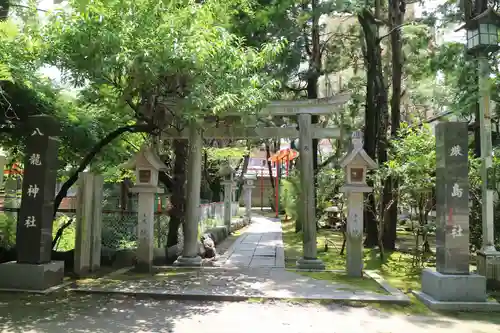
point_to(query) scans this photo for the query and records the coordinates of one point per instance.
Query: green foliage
(328, 195)
(25, 92)
(290, 196)
(8, 223)
(175, 49)
(227, 153)
(67, 240)
(329, 183)
(413, 164)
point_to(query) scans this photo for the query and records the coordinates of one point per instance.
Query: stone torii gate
(304, 110)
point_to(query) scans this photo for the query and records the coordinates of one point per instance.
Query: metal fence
(119, 228)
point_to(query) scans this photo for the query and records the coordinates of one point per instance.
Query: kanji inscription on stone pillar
(34, 226)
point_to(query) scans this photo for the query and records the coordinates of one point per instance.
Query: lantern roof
(357, 150)
(145, 157)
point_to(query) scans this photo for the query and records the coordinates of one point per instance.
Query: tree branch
(295, 89)
(63, 192)
(166, 180)
(391, 31)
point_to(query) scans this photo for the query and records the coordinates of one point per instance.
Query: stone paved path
(260, 246)
(230, 283)
(253, 267)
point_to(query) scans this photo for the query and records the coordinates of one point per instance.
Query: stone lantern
(356, 163)
(227, 173)
(147, 165)
(247, 192)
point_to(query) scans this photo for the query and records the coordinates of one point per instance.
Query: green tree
(170, 62)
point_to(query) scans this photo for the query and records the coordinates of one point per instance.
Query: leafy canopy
(175, 49)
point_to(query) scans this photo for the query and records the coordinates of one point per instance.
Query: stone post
(145, 226)
(190, 255)
(451, 281)
(354, 260)
(227, 173)
(355, 164)
(228, 191)
(308, 218)
(84, 217)
(235, 202)
(96, 232)
(233, 191)
(3, 160)
(34, 269)
(147, 165)
(88, 223)
(247, 192)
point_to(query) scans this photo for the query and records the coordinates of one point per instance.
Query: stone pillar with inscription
(452, 281)
(34, 269)
(355, 164)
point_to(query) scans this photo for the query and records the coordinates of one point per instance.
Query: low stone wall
(125, 258)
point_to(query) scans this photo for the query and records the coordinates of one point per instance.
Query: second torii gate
(306, 132)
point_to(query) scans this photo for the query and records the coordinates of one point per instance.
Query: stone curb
(39, 292)
(194, 296)
(383, 283)
(394, 292)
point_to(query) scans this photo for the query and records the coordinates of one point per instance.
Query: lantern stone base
(310, 264)
(188, 261)
(31, 277)
(488, 264)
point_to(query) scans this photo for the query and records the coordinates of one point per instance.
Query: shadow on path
(63, 312)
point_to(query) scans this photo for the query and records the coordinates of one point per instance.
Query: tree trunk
(213, 183)
(178, 197)
(372, 118)
(4, 9)
(246, 160)
(396, 17)
(315, 67)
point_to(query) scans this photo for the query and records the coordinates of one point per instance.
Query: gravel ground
(99, 314)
